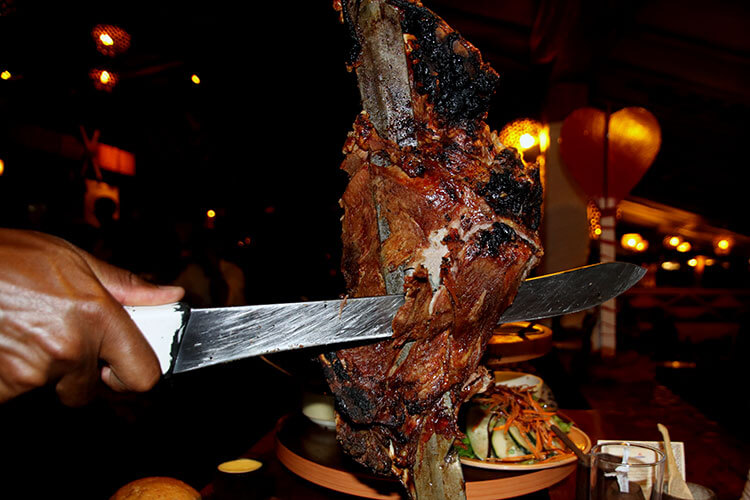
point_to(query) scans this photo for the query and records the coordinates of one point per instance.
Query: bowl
(319, 408)
(511, 378)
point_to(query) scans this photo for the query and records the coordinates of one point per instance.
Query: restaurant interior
(200, 144)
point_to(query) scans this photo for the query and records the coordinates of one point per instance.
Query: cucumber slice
(515, 434)
(477, 430)
(503, 445)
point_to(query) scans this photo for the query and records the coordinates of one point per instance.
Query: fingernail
(112, 380)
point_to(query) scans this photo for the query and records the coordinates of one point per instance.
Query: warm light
(523, 134)
(670, 265)
(103, 80)
(723, 246)
(5, 75)
(106, 39)
(672, 241)
(633, 241)
(110, 40)
(692, 262)
(2, 167)
(683, 247)
(195, 79)
(526, 141)
(544, 139)
(594, 216)
(211, 214)
(710, 262)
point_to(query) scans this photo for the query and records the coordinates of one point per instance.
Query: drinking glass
(626, 471)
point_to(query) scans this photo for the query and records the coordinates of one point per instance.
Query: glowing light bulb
(692, 262)
(632, 240)
(670, 265)
(684, 247)
(526, 141)
(2, 167)
(105, 77)
(723, 244)
(5, 75)
(674, 241)
(211, 214)
(195, 79)
(106, 39)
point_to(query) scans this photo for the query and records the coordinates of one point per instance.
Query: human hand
(61, 312)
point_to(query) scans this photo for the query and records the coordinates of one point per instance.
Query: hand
(61, 312)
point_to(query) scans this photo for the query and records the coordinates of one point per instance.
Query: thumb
(128, 289)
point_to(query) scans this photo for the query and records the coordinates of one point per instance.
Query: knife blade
(186, 340)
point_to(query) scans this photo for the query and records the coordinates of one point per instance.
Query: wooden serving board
(312, 452)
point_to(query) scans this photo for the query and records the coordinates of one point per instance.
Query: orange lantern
(634, 138)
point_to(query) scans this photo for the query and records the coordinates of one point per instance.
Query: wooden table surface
(286, 485)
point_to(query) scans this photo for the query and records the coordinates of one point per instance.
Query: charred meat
(438, 209)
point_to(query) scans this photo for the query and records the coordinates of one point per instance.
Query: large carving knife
(185, 339)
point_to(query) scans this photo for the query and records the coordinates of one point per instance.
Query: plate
(576, 435)
(313, 453)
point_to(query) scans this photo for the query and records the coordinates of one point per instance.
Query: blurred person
(210, 278)
(61, 315)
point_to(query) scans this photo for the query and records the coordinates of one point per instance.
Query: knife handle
(162, 326)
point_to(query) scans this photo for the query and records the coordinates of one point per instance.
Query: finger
(129, 289)
(112, 380)
(133, 366)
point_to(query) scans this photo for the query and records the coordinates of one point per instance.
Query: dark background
(259, 141)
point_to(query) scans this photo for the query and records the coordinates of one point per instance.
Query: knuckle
(66, 347)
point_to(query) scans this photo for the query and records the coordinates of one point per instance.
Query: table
(286, 485)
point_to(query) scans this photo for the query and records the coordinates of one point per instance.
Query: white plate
(579, 438)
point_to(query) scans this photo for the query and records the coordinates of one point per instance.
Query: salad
(508, 425)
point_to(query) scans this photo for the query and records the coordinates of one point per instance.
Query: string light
(683, 247)
(2, 166)
(211, 214)
(634, 242)
(195, 79)
(723, 245)
(5, 75)
(594, 217)
(672, 241)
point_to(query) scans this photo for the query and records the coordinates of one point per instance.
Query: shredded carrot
(520, 409)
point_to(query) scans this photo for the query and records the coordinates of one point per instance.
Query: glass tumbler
(626, 471)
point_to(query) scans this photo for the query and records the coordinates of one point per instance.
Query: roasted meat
(438, 209)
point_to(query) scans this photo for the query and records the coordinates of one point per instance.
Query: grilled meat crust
(453, 221)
